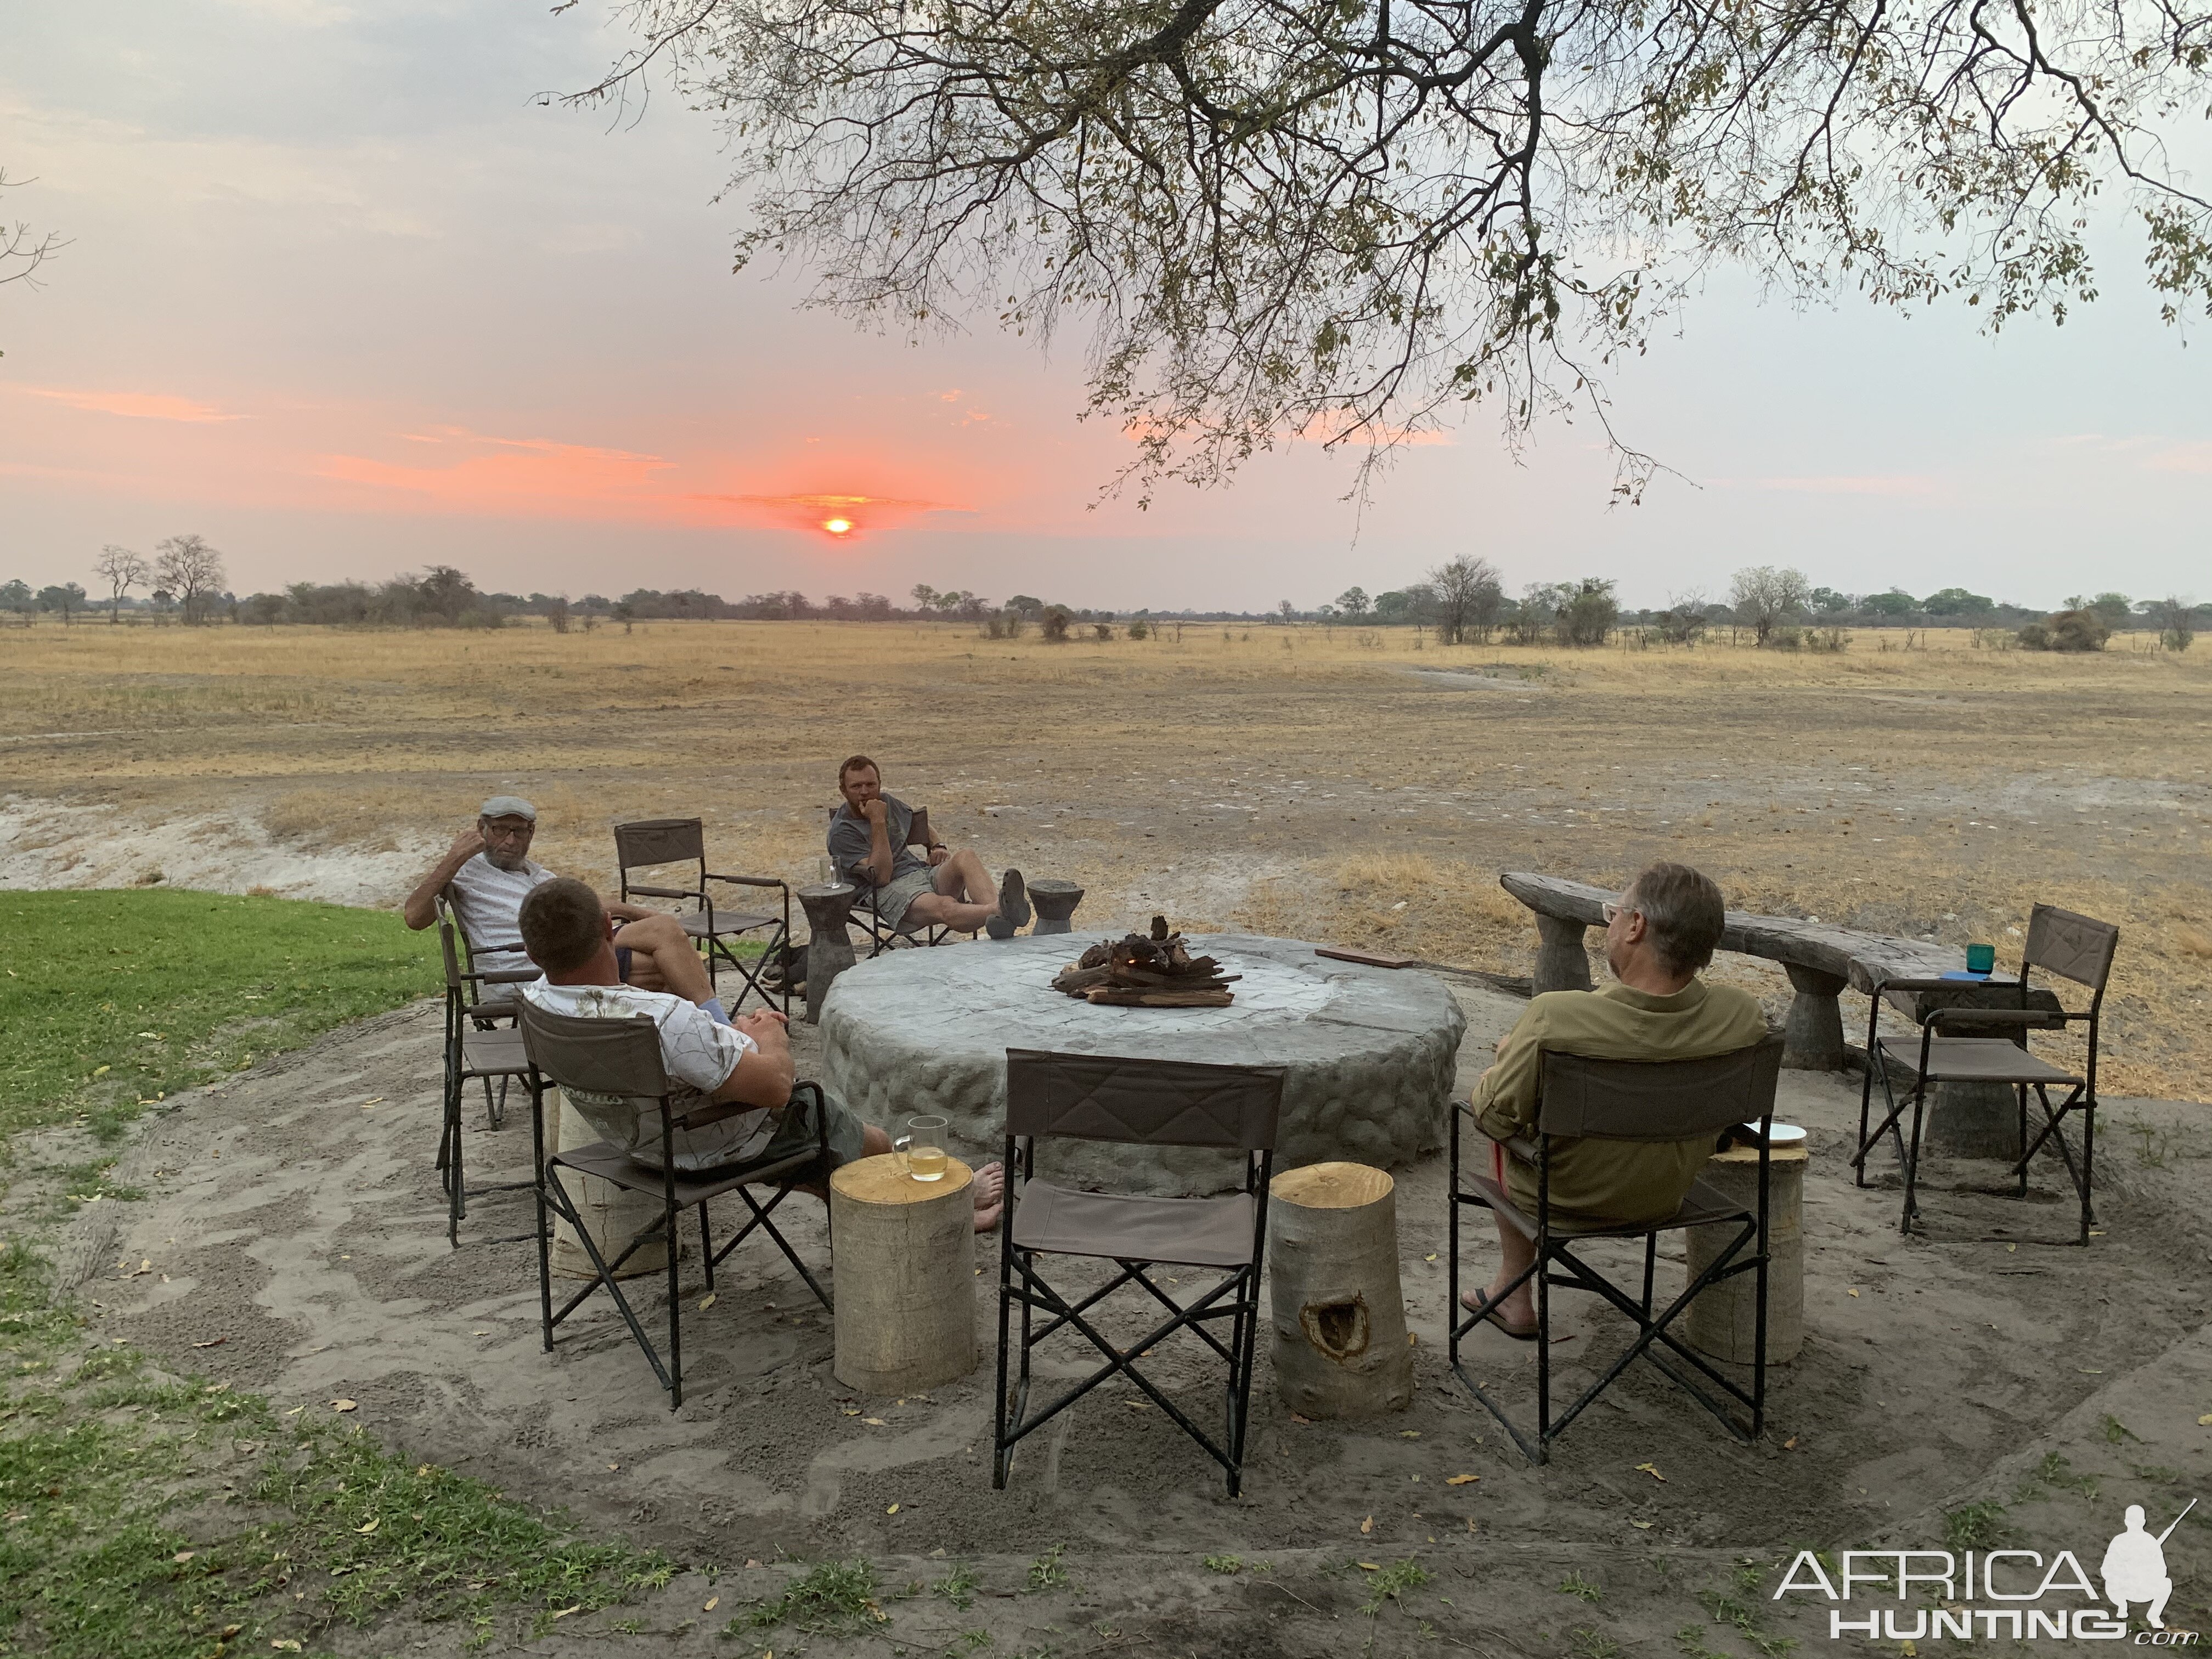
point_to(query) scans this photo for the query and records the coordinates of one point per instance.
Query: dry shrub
(2192, 940)
(1396, 873)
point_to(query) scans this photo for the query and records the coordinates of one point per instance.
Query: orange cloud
(854, 512)
(504, 474)
(137, 405)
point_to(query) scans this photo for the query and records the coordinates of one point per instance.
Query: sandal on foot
(1482, 1309)
(1014, 900)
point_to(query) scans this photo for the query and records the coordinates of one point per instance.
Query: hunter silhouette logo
(2134, 1567)
(2016, 1594)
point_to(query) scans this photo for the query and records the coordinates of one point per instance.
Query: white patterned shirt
(487, 904)
(699, 1055)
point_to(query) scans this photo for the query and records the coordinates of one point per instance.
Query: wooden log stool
(828, 908)
(1340, 1317)
(615, 1214)
(1723, 1321)
(906, 1274)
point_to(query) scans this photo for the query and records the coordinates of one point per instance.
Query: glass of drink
(921, 1148)
(1981, 958)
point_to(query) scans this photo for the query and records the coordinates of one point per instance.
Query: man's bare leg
(956, 914)
(963, 876)
(663, 958)
(1519, 1308)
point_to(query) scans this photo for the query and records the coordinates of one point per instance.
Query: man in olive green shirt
(1663, 931)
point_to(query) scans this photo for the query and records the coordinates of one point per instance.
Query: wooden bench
(1819, 959)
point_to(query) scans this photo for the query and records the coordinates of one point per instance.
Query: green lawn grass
(111, 1000)
(145, 1511)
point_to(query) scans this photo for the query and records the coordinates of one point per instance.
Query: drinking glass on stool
(921, 1148)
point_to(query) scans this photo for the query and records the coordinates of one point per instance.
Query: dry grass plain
(1362, 787)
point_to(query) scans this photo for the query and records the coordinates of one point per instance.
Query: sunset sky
(339, 297)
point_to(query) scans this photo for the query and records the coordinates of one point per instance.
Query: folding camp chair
(2075, 947)
(1143, 1103)
(622, 1057)
(1627, 1100)
(882, 936)
(480, 1046)
(656, 841)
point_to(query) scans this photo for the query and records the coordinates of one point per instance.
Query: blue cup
(1981, 958)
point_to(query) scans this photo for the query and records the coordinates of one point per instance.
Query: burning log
(1137, 971)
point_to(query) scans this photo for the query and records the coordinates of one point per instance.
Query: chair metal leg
(1912, 1161)
(544, 1225)
(2088, 1166)
(1866, 1085)
(1650, 1263)
(457, 1194)
(2020, 1090)
(705, 1247)
(675, 1295)
(1001, 1452)
(1452, 1204)
(1543, 1350)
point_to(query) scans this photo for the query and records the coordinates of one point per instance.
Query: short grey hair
(1685, 912)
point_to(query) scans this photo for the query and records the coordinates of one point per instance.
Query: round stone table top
(1368, 1051)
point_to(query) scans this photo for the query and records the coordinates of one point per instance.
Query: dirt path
(301, 1227)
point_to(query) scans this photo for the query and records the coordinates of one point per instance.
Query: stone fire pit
(1371, 1051)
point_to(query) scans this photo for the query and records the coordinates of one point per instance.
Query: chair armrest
(664, 892)
(1520, 1146)
(741, 881)
(505, 975)
(1882, 985)
(2034, 1018)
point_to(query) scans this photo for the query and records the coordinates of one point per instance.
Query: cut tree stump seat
(1820, 959)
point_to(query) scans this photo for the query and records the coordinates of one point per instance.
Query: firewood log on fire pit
(1137, 972)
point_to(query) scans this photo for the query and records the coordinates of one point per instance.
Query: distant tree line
(1463, 599)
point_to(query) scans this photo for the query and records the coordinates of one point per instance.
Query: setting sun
(837, 526)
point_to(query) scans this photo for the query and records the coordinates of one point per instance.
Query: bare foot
(990, 1195)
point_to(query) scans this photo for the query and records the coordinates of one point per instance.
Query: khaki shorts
(893, 897)
(795, 1134)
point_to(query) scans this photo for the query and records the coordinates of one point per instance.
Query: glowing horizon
(287, 321)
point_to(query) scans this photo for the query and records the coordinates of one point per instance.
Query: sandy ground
(303, 1226)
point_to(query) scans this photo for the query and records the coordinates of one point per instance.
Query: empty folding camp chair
(2074, 947)
(481, 1047)
(651, 842)
(623, 1057)
(1627, 1100)
(882, 936)
(1139, 1102)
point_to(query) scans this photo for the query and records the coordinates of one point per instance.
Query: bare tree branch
(1334, 219)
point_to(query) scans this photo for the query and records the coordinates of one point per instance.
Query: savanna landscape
(1365, 785)
(259, 1405)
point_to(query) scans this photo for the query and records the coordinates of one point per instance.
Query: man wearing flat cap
(488, 872)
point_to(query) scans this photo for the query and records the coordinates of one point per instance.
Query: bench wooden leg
(1562, 963)
(1812, 1040)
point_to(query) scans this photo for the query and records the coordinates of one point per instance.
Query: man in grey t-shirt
(868, 848)
(487, 873)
